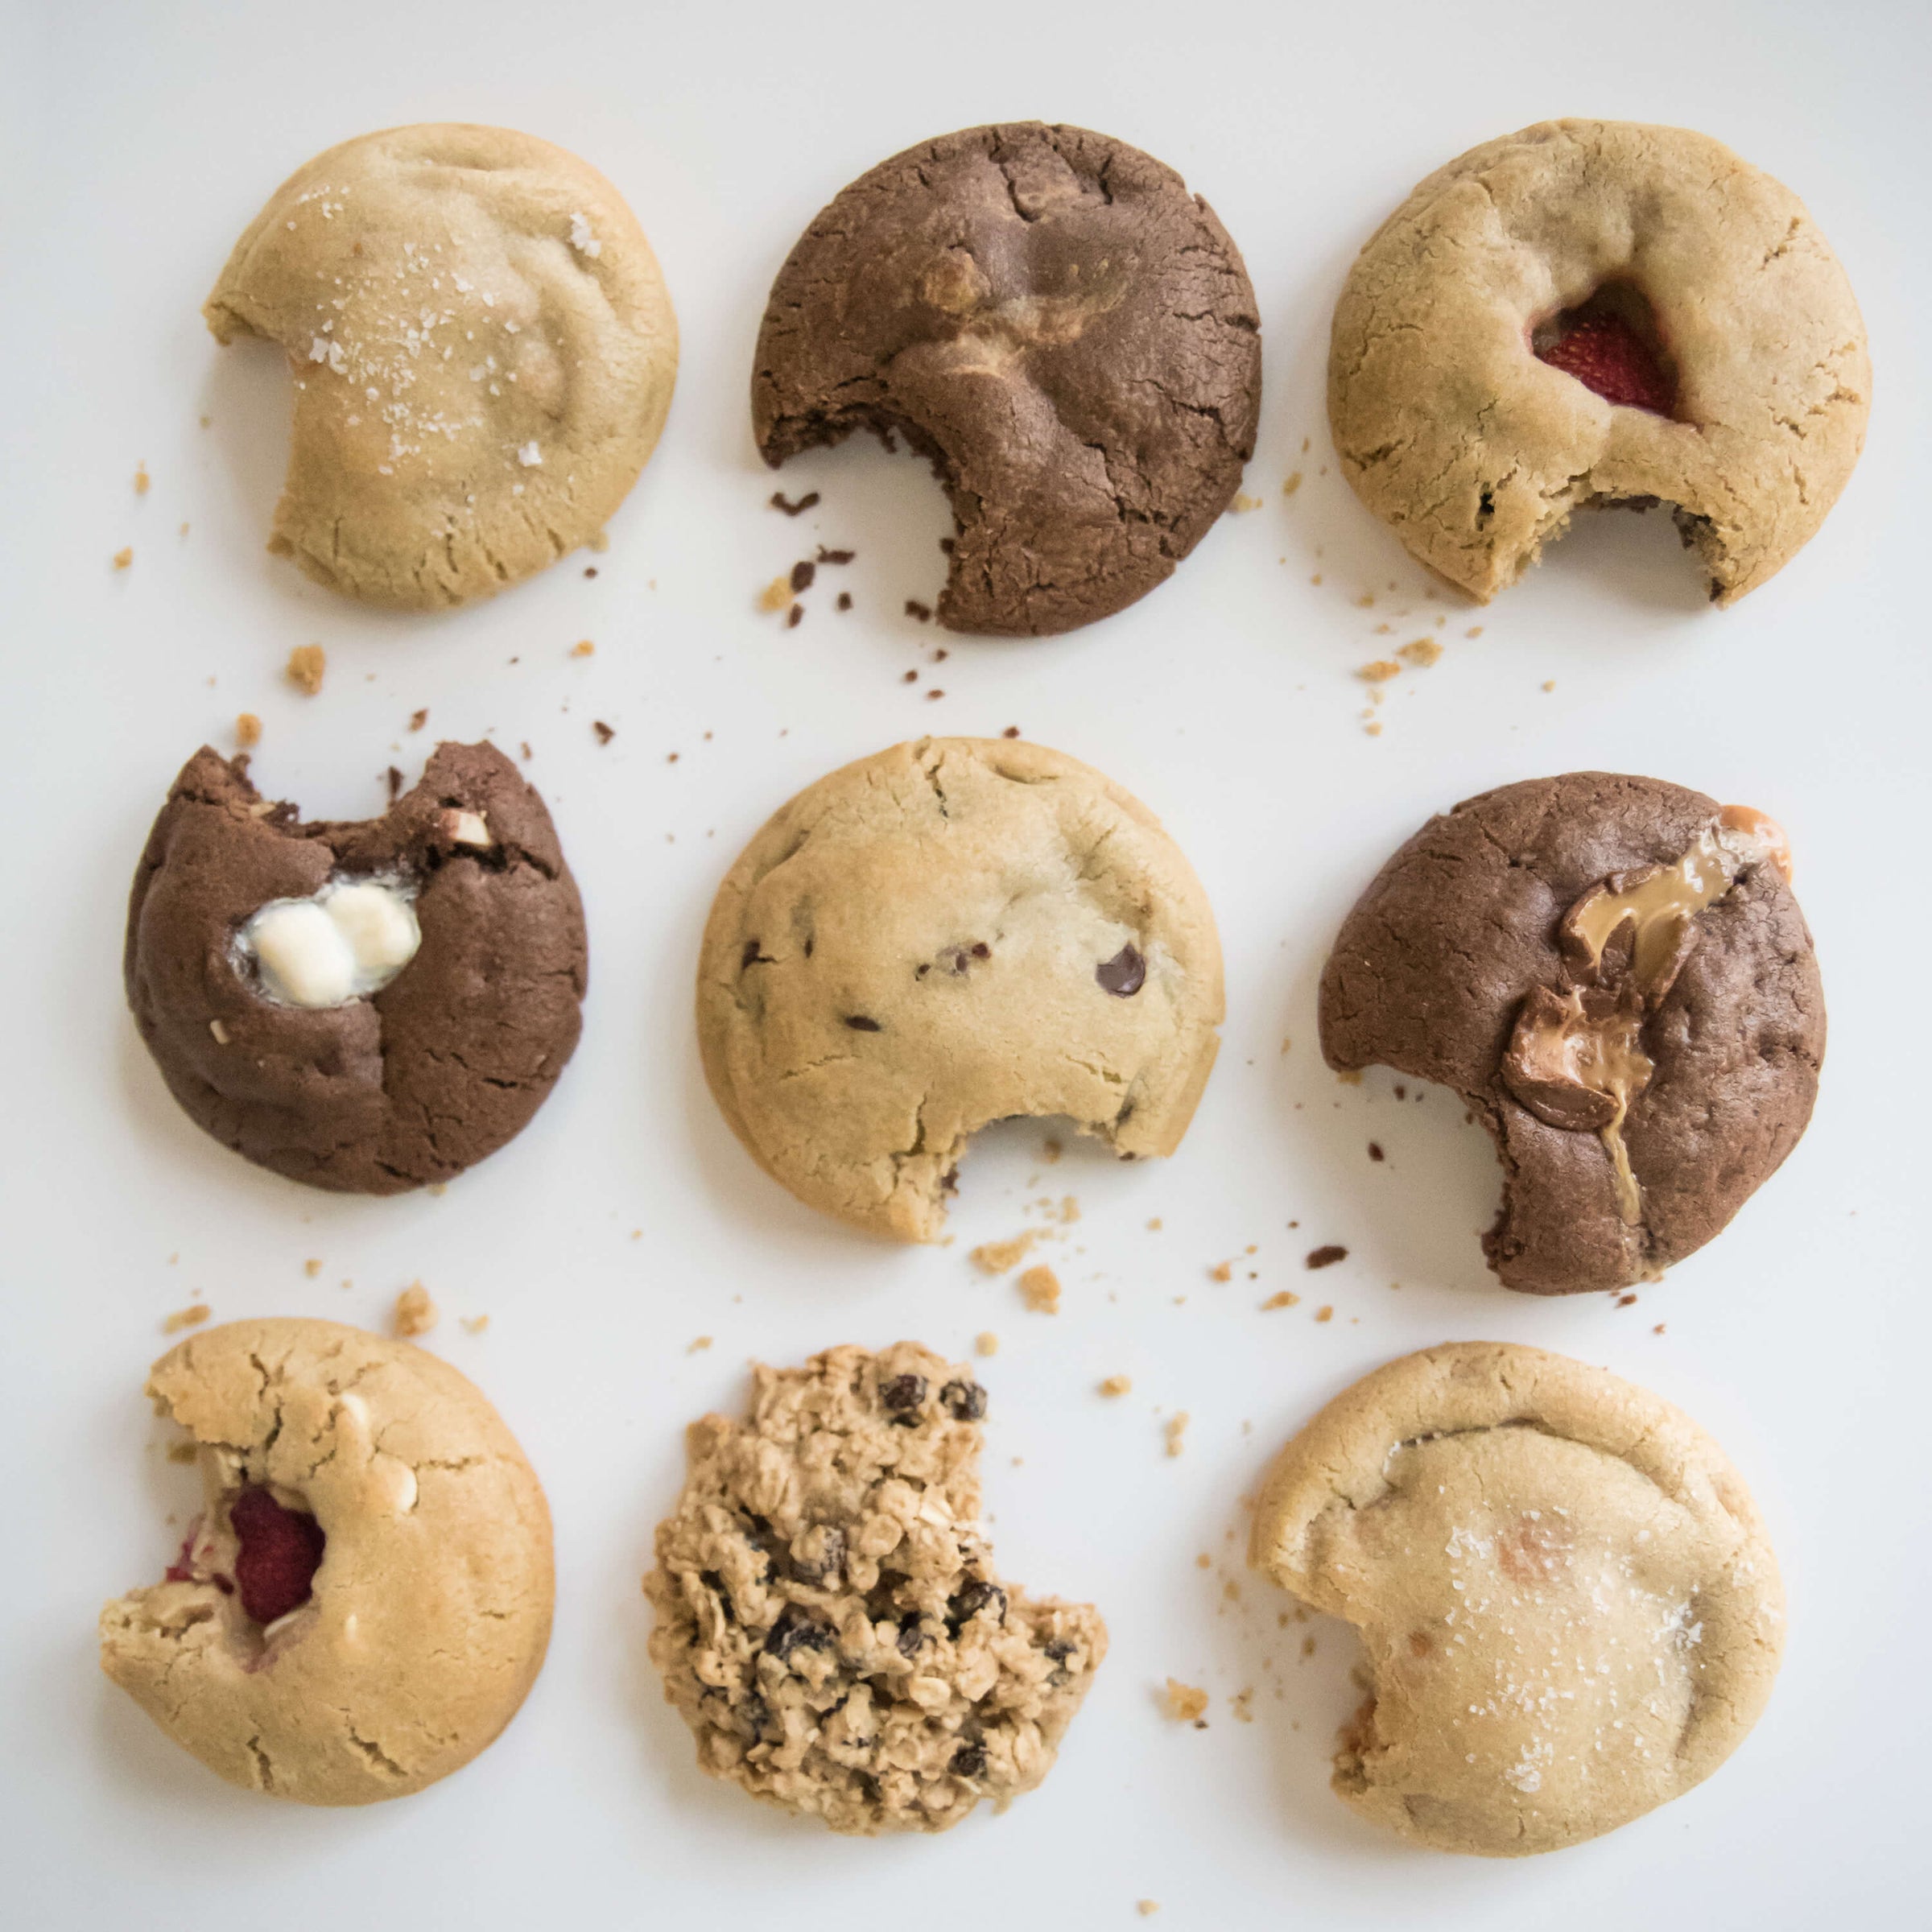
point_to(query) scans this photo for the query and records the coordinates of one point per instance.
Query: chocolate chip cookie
(1599, 311)
(1568, 1608)
(828, 1621)
(365, 1600)
(483, 355)
(947, 933)
(1060, 327)
(365, 1006)
(1614, 975)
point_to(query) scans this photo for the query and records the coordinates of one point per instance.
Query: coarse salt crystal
(582, 240)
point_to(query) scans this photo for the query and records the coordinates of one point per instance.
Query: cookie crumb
(142, 479)
(248, 730)
(1375, 1151)
(699, 1346)
(475, 1324)
(915, 609)
(583, 648)
(1241, 1705)
(191, 1317)
(1185, 1702)
(1177, 1427)
(419, 719)
(1325, 1313)
(312, 1267)
(1373, 731)
(394, 780)
(1117, 1384)
(1012, 730)
(1147, 1907)
(986, 1343)
(1326, 1256)
(1002, 1257)
(1286, 1298)
(794, 617)
(1350, 1077)
(415, 1314)
(1380, 671)
(780, 501)
(935, 693)
(1626, 1301)
(1292, 484)
(605, 732)
(845, 602)
(184, 1452)
(306, 664)
(1422, 652)
(1243, 503)
(1549, 683)
(1221, 1271)
(124, 558)
(1475, 631)
(802, 574)
(1154, 1226)
(776, 594)
(1041, 1288)
(835, 556)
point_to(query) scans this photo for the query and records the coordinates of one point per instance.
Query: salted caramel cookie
(483, 354)
(947, 933)
(1063, 330)
(1568, 1610)
(1599, 311)
(365, 1600)
(367, 1007)
(1613, 974)
(828, 1621)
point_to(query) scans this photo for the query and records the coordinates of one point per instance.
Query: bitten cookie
(1060, 327)
(1568, 1610)
(947, 933)
(483, 354)
(1613, 974)
(364, 1601)
(828, 1618)
(365, 1006)
(1598, 312)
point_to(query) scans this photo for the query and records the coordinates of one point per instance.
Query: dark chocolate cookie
(1068, 333)
(1613, 974)
(366, 1006)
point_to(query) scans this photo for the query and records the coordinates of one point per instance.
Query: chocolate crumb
(780, 501)
(1012, 730)
(794, 617)
(1326, 1256)
(946, 544)
(835, 556)
(844, 599)
(915, 609)
(590, 570)
(419, 719)
(394, 778)
(802, 574)
(604, 732)
(935, 693)
(1375, 1151)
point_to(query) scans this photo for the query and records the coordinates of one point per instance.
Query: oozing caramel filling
(1576, 1058)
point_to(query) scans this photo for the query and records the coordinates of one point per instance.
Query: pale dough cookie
(950, 933)
(828, 1618)
(483, 352)
(1568, 1609)
(1599, 311)
(367, 1598)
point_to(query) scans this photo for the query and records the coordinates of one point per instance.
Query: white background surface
(141, 140)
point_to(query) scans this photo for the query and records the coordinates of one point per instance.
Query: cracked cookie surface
(1467, 434)
(1464, 927)
(827, 1618)
(483, 354)
(1064, 331)
(953, 932)
(425, 1621)
(1567, 1606)
(416, 1082)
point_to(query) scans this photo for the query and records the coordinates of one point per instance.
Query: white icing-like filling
(348, 941)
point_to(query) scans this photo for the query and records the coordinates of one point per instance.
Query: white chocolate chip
(219, 1031)
(348, 941)
(467, 828)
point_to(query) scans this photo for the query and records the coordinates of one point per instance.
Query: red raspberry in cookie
(1612, 360)
(280, 1550)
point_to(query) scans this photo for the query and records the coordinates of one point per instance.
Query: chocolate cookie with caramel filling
(1068, 333)
(947, 933)
(365, 1006)
(1613, 974)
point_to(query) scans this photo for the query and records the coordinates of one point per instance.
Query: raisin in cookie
(827, 1618)
(365, 1600)
(365, 1006)
(1568, 1608)
(1598, 312)
(1068, 333)
(483, 354)
(1613, 974)
(947, 933)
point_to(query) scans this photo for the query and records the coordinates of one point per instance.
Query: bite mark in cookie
(365, 1598)
(950, 933)
(828, 1621)
(1614, 975)
(483, 354)
(1568, 1608)
(365, 1006)
(1051, 318)
(1598, 312)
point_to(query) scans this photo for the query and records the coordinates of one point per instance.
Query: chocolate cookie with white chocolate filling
(366, 1006)
(1614, 975)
